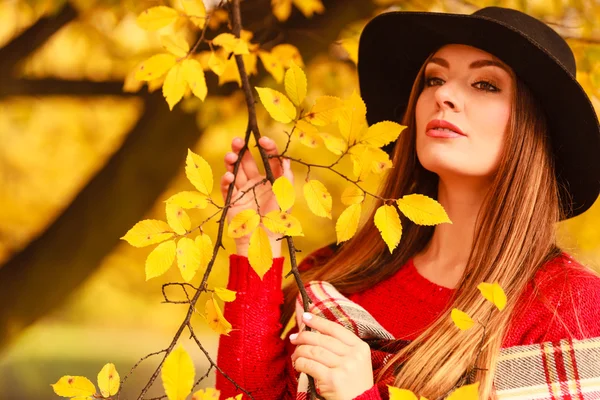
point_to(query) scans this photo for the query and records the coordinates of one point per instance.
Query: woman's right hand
(248, 175)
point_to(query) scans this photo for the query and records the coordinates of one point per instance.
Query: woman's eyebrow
(475, 64)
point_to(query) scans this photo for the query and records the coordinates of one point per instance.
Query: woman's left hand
(339, 360)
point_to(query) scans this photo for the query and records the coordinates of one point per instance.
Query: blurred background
(86, 152)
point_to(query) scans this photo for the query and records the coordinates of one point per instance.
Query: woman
(501, 134)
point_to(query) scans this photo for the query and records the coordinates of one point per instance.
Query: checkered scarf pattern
(564, 370)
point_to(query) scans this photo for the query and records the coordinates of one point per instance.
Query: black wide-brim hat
(394, 45)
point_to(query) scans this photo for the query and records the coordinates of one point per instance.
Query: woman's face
(463, 111)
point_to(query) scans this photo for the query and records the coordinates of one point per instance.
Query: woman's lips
(440, 128)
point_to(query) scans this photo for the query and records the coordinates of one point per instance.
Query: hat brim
(394, 45)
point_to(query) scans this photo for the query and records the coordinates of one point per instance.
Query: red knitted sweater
(255, 357)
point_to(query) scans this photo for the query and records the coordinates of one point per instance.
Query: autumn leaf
(401, 394)
(286, 53)
(367, 160)
(243, 223)
(188, 199)
(160, 259)
(108, 380)
(199, 173)
(308, 134)
(178, 374)
(352, 195)
(272, 64)
(347, 223)
(217, 64)
(205, 250)
(295, 84)
(284, 193)
(381, 133)
(352, 118)
(193, 74)
(309, 7)
(325, 110)
(206, 394)
(196, 10)
(387, 222)
(422, 210)
(279, 107)
(461, 319)
(178, 219)
(188, 258)
(281, 9)
(231, 44)
(225, 294)
(466, 392)
(260, 254)
(351, 47)
(176, 45)
(282, 223)
(334, 144)
(215, 318)
(156, 18)
(71, 386)
(174, 86)
(155, 67)
(493, 293)
(147, 232)
(318, 198)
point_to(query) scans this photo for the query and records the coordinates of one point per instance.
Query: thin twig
(134, 367)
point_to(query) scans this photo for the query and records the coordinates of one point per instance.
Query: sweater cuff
(371, 394)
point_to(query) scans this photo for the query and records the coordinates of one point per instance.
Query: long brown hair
(514, 236)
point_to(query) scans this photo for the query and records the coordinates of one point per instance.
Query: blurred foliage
(53, 145)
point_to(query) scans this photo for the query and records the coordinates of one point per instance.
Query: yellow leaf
(194, 76)
(147, 232)
(217, 64)
(325, 110)
(318, 198)
(381, 133)
(347, 223)
(250, 63)
(308, 134)
(367, 159)
(352, 118)
(188, 258)
(388, 223)
(199, 173)
(225, 294)
(467, 392)
(272, 64)
(178, 219)
(215, 318)
(218, 16)
(277, 104)
(156, 84)
(422, 210)
(231, 44)
(178, 374)
(282, 223)
(206, 394)
(230, 73)
(352, 195)
(174, 86)
(155, 67)
(334, 144)
(493, 293)
(160, 259)
(284, 193)
(351, 47)
(260, 254)
(205, 250)
(188, 199)
(243, 224)
(196, 11)
(295, 84)
(286, 53)
(69, 386)
(461, 319)
(155, 18)
(309, 7)
(108, 380)
(176, 45)
(237, 397)
(281, 9)
(401, 394)
(131, 83)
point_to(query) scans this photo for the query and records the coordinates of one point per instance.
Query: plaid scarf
(564, 370)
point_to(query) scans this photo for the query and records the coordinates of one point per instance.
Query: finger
(313, 368)
(287, 169)
(248, 164)
(331, 328)
(226, 181)
(241, 178)
(318, 354)
(270, 148)
(316, 339)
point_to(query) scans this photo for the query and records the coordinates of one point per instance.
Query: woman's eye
(433, 81)
(486, 86)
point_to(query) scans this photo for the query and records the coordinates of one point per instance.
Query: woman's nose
(448, 97)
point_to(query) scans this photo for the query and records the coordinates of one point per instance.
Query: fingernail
(307, 316)
(293, 336)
